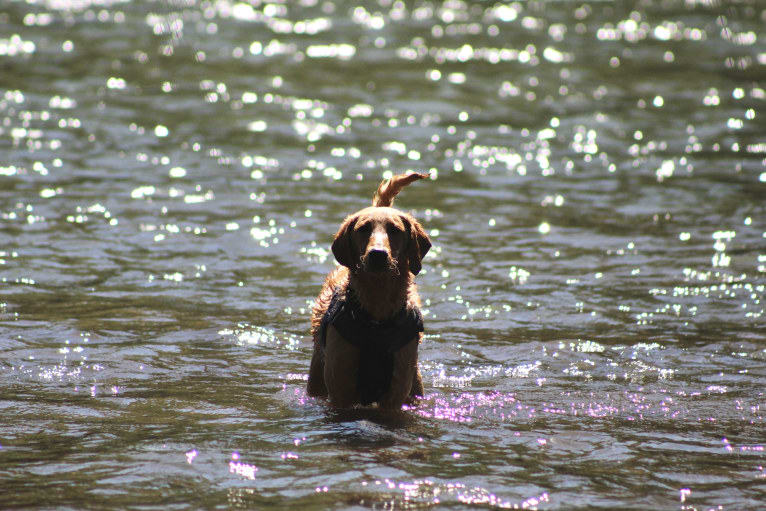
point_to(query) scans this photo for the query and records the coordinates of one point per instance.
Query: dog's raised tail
(389, 188)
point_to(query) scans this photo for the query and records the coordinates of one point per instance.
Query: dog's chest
(377, 341)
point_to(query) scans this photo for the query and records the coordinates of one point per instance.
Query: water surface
(172, 173)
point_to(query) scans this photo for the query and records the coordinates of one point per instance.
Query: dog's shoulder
(336, 280)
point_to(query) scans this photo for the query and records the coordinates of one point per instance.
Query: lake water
(172, 173)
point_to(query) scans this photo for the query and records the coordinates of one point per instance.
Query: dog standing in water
(366, 321)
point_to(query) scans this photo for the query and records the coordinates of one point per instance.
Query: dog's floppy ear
(343, 246)
(417, 246)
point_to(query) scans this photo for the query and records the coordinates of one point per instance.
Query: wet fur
(381, 291)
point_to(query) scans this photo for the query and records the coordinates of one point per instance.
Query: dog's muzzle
(376, 260)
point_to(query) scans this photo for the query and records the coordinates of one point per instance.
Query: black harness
(377, 340)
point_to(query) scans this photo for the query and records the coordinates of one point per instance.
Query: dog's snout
(377, 259)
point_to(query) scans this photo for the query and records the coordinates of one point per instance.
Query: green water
(172, 173)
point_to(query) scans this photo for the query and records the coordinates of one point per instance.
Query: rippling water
(171, 174)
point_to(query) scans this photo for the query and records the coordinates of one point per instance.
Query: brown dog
(366, 321)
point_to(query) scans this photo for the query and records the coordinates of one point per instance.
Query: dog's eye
(364, 228)
(393, 230)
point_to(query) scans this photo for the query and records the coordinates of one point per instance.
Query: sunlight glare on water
(172, 177)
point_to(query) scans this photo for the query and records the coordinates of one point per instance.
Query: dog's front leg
(341, 368)
(315, 386)
(403, 376)
(417, 387)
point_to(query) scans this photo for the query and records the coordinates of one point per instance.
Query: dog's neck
(381, 295)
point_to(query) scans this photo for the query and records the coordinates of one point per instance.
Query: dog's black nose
(377, 259)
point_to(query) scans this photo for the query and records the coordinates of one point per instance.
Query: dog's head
(381, 240)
